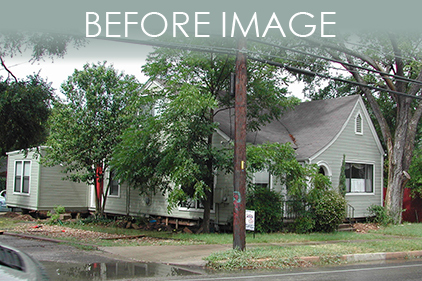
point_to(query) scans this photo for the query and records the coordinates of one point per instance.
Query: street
(64, 262)
(385, 271)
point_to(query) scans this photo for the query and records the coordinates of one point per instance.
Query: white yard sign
(250, 220)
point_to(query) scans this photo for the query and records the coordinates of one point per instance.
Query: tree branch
(5, 67)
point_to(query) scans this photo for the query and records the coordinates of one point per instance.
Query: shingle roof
(310, 126)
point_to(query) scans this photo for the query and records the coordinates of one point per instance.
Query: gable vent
(358, 124)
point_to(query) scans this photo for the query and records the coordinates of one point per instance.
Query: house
(320, 131)
(32, 186)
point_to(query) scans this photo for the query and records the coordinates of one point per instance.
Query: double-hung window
(22, 176)
(359, 178)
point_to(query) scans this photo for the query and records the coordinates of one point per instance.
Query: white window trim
(199, 210)
(14, 178)
(373, 179)
(109, 190)
(326, 168)
(359, 114)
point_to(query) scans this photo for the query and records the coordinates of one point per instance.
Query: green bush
(328, 208)
(304, 223)
(55, 215)
(267, 205)
(379, 215)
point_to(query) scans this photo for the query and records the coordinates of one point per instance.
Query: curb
(371, 256)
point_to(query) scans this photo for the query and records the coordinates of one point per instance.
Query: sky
(125, 57)
(57, 70)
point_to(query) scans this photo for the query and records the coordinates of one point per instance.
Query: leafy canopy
(87, 126)
(25, 107)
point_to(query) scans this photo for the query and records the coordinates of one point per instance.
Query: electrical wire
(233, 51)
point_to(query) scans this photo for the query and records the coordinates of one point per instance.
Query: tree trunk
(207, 202)
(399, 163)
(207, 211)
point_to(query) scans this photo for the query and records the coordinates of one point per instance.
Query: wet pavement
(64, 262)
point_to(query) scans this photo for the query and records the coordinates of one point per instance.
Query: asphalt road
(381, 271)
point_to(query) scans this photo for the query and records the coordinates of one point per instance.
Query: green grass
(285, 257)
(7, 223)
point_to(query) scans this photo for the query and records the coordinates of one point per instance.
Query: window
(359, 178)
(22, 175)
(196, 205)
(358, 124)
(114, 189)
(262, 179)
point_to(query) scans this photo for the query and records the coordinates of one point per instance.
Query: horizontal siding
(47, 189)
(27, 201)
(358, 149)
(54, 191)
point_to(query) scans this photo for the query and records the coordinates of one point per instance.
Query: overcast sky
(125, 57)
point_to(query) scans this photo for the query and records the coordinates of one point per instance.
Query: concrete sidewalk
(188, 255)
(192, 255)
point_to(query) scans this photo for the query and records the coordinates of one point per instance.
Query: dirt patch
(18, 216)
(365, 227)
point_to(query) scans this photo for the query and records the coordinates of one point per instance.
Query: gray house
(320, 131)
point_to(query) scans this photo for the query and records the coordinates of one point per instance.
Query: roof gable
(310, 126)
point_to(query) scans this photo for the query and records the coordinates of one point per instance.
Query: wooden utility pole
(239, 194)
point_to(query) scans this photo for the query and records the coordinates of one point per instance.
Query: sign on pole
(250, 220)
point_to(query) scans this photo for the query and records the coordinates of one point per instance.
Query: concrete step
(345, 227)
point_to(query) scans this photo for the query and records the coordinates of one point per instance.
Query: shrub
(267, 205)
(304, 224)
(379, 215)
(55, 215)
(328, 208)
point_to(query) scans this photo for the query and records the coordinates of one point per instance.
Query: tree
(208, 75)
(25, 103)
(389, 62)
(24, 110)
(42, 44)
(86, 128)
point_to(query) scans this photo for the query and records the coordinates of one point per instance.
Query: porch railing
(289, 208)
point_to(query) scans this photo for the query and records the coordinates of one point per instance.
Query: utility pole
(239, 194)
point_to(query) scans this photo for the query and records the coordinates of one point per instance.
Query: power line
(397, 77)
(312, 73)
(232, 51)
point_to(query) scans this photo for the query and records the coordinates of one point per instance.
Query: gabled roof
(310, 126)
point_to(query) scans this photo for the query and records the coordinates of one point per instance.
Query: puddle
(110, 271)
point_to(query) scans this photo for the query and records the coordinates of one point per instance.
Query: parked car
(3, 206)
(16, 265)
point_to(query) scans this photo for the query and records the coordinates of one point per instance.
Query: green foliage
(25, 107)
(55, 215)
(178, 141)
(342, 178)
(42, 44)
(415, 172)
(87, 126)
(304, 223)
(268, 207)
(328, 208)
(379, 215)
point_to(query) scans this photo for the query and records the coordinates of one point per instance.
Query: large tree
(208, 77)
(87, 126)
(387, 70)
(25, 106)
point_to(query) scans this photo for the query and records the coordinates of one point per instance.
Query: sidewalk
(192, 255)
